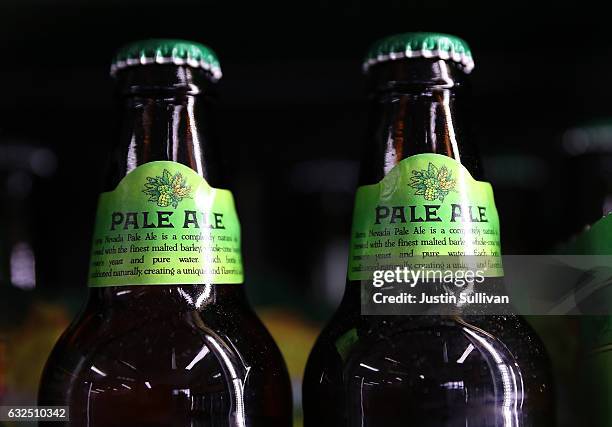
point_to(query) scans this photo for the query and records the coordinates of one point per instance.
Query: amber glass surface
(387, 371)
(193, 355)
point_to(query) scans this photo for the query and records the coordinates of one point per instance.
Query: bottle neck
(416, 109)
(166, 115)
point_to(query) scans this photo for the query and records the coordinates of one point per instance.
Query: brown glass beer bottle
(167, 337)
(418, 171)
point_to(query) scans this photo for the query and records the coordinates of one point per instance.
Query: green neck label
(165, 225)
(427, 207)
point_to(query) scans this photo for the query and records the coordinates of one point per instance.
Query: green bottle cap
(167, 51)
(420, 45)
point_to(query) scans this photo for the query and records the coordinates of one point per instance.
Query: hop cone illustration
(432, 183)
(167, 189)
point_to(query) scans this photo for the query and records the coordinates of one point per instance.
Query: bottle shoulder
(350, 339)
(455, 365)
(212, 355)
(167, 340)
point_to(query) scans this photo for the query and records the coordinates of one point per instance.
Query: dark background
(292, 114)
(293, 111)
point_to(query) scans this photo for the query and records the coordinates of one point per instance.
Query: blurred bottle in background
(587, 150)
(588, 183)
(29, 322)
